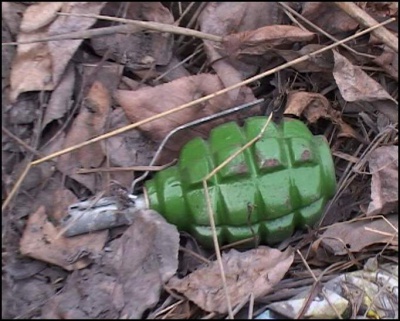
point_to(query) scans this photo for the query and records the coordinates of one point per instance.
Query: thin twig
(217, 250)
(194, 254)
(211, 213)
(83, 34)
(21, 142)
(366, 20)
(191, 23)
(151, 25)
(178, 21)
(181, 107)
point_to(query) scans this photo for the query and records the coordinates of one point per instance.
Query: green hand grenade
(281, 182)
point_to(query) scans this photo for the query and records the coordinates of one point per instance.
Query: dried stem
(211, 213)
(83, 34)
(151, 25)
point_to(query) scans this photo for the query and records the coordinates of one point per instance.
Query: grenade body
(281, 182)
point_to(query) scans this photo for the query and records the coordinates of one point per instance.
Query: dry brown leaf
(146, 258)
(224, 18)
(314, 106)
(355, 236)
(39, 15)
(147, 102)
(62, 51)
(128, 278)
(328, 17)
(39, 66)
(354, 84)
(384, 167)
(136, 50)
(60, 100)
(88, 124)
(255, 271)
(40, 242)
(31, 68)
(261, 40)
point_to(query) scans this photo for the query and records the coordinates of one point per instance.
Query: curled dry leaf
(147, 102)
(384, 167)
(355, 236)
(39, 66)
(88, 124)
(261, 40)
(314, 106)
(255, 271)
(40, 241)
(354, 84)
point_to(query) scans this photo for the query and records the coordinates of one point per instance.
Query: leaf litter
(74, 90)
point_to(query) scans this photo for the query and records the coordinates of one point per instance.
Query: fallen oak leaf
(255, 271)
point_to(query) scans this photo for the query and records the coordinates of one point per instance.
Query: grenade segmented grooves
(280, 183)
